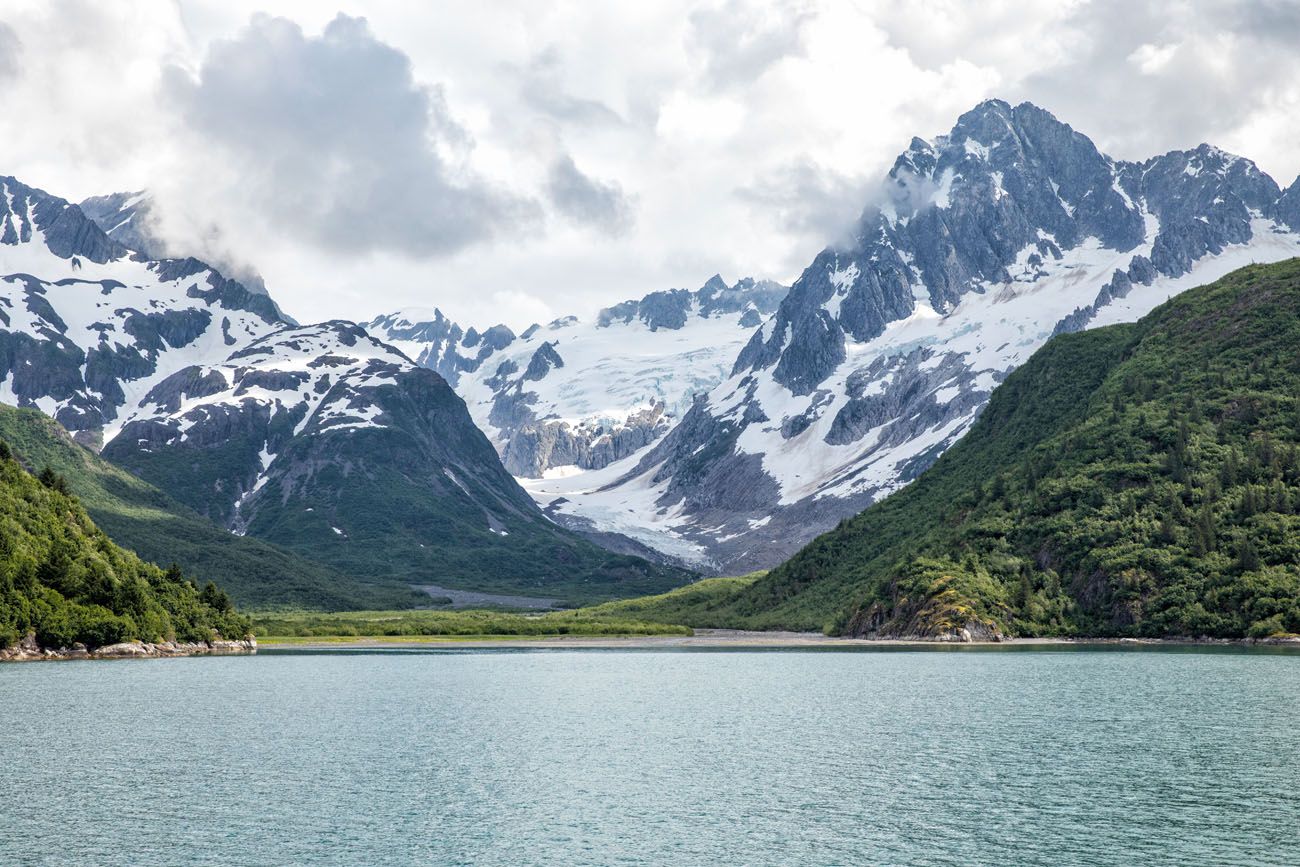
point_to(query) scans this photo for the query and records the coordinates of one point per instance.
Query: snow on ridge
(986, 335)
(325, 377)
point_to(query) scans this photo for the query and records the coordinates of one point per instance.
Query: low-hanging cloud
(810, 199)
(331, 139)
(10, 48)
(587, 201)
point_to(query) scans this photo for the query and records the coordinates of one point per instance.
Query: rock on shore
(28, 650)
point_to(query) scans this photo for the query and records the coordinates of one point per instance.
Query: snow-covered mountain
(983, 243)
(227, 422)
(333, 444)
(319, 438)
(131, 220)
(88, 327)
(579, 395)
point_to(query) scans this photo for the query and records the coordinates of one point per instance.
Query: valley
(716, 432)
(337, 466)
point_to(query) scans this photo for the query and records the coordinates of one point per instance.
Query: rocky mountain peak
(27, 212)
(130, 218)
(981, 244)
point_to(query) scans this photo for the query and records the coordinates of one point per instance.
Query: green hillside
(422, 499)
(61, 576)
(1135, 480)
(138, 516)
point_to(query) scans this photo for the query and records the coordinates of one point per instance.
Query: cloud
(10, 49)
(330, 139)
(587, 201)
(541, 88)
(810, 199)
(1144, 78)
(739, 40)
(1150, 59)
(440, 158)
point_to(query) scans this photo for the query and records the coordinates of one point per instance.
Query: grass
(696, 604)
(312, 627)
(671, 613)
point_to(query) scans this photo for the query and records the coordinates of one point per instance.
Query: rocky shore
(28, 650)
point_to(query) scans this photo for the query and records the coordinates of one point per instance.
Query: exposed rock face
(981, 245)
(327, 442)
(129, 219)
(583, 395)
(537, 447)
(88, 327)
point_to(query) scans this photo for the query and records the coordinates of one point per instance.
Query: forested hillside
(1138, 479)
(158, 528)
(64, 579)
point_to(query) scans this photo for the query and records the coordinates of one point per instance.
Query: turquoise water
(1092, 757)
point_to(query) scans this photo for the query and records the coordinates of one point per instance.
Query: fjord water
(1093, 756)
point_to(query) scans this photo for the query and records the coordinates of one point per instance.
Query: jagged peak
(409, 316)
(1203, 156)
(716, 284)
(67, 231)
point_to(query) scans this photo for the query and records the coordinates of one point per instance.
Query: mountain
(565, 399)
(318, 438)
(64, 580)
(327, 442)
(87, 327)
(1138, 479)
(981, 245)
(142, 518)
(575, 395)
(131, 220)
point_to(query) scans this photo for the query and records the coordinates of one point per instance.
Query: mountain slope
(1138, 479)
(87, 327)
(578, 395)
(320, 439)
(130, 220)
(983, 244)
(142, 518)
(62, 578)
(332, 444)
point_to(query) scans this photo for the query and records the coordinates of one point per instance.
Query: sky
(518, 161)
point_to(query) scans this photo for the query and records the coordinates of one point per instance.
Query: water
(589, 757)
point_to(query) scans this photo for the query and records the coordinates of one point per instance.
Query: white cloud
(1152, 58)
(589, 152)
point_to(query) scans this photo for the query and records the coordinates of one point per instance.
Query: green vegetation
(140, 517)
(697, 604)
(423, 499)
(1135, 480)
(395, 529)
(61, 576)
(458, 624)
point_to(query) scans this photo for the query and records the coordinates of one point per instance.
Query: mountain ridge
(534, 393)
(985, 242)
(200, 386)
(1141, 479)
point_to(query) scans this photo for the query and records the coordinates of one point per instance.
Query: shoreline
(28, 651)
(730, 638)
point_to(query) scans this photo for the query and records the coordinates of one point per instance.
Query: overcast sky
(515, 161)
